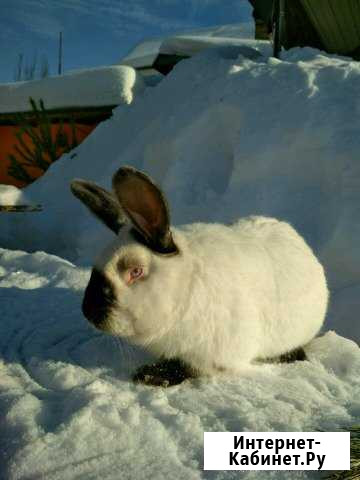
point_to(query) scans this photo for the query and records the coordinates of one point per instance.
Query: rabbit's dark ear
(145, 205)
(100, 202)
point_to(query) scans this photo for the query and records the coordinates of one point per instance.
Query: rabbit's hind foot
(164, 373)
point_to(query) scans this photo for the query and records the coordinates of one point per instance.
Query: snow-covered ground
(225, 136)
(69, 409)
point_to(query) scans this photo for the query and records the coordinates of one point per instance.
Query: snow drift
(69, 409)
(227, 136)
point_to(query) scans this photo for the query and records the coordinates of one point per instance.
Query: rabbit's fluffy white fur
(232, 294)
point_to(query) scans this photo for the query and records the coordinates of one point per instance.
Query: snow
(188, 45)
(103, 86)
(143, 54)
(70, 410)
(233, 30)
(10, 195)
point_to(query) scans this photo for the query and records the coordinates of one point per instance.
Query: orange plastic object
(8, 140)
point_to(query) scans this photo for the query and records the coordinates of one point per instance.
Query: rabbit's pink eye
(136, 273)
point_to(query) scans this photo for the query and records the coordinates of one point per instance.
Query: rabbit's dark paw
(165, 373)
(296, 355)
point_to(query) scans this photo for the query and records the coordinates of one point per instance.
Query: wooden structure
(20, 208)
(330, 25)
(337, 24)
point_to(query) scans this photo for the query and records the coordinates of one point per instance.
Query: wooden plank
(20, 208)
(354, 12)
(337, 23)
(299, 30)
(335, 34)
(323, 23)
(349, 33)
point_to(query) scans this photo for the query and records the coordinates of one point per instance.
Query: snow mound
(227, 136)
(104, 86)
(70, 410)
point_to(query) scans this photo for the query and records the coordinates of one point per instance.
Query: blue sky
(100, 32)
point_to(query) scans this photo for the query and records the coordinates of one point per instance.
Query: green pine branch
(44, 148)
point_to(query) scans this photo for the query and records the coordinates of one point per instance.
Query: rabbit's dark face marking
(98, 300)
(112, 293)
(139, 307)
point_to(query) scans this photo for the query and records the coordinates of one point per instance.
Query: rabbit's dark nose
(98, 299)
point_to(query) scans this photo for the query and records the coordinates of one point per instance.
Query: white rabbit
(213, 296)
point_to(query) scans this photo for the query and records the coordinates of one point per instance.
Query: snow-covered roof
(143, 55)
(186, 45)
(103, 86)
